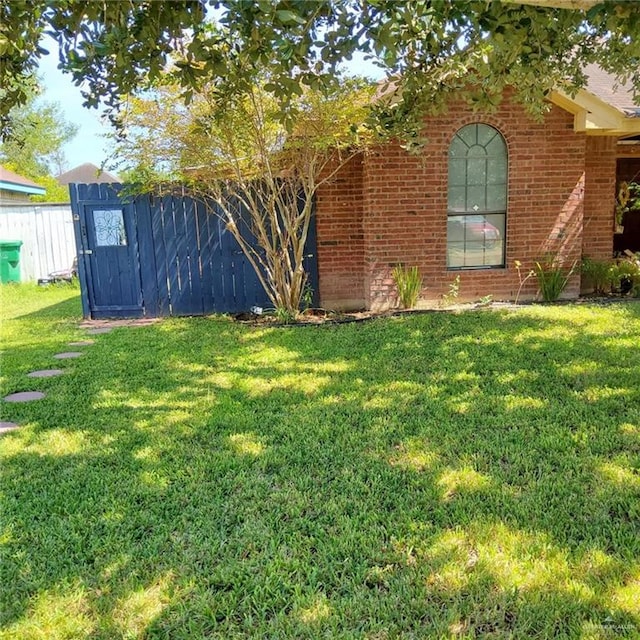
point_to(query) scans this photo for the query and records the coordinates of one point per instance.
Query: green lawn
(432, 476)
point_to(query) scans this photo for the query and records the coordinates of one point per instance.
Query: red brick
(389, 207)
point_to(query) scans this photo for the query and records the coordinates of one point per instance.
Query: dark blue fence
(158, 256)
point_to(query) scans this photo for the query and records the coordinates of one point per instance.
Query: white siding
(46, 231)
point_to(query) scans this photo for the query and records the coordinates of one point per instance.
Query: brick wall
(339, 206)
(390, 207)
(599, 201)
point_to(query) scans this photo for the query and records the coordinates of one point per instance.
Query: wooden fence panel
(168, 240)
(149, 269)
(156, 214)
(46, 231)
(189, 263)
(207, 243)
(193, 245)
(185, 302)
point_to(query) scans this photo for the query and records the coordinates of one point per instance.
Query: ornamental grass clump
(552, 278)
(409, 284)
(599, 273)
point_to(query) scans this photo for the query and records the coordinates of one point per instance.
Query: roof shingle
(86, 173)
(13, 178)
(604, 86)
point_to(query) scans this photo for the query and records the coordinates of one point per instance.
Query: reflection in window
(109, 226)
(477, 204)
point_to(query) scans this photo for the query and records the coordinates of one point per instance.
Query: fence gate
(150, 256)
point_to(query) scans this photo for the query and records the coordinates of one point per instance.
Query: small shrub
(409, 284)
(625, 276)
(552, 279)
(599, 274)
(306, 299)
(284, 316)
(627, 200)
(521, 278)
(452, 295)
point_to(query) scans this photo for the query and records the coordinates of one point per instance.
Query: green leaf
(289, 17)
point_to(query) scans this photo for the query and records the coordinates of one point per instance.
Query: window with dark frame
(477, 198)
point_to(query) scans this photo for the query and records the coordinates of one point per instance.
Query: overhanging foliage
(116, 47)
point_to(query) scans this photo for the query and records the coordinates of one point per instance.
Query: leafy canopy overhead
(115, 48)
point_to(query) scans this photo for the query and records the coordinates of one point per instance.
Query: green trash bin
(10, 260)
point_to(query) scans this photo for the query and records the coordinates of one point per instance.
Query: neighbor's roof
(86, 173)
(605, 86)
(11, 181)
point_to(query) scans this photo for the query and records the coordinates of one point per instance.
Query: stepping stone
(45, 373)
(5, 427)
(67, 354)
(81, 343)
(24, 396)
(94, 332)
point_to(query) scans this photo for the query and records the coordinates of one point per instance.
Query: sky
(89, 145)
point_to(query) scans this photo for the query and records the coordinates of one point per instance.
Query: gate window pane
(109, 226)
(477, 198)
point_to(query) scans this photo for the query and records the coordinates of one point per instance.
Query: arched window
(477, 208)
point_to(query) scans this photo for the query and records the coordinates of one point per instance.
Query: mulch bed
(320, 317)
(316, 317)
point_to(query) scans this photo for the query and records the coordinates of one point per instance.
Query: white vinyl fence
(46, 231)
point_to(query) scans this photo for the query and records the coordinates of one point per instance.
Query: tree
(35, 151)
(259, 174)
(55, 192)
(42, 132)
(430, 46)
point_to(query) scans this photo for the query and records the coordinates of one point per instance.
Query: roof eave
(22, 188)
(593, 116)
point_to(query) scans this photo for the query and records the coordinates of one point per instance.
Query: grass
(431, 476)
